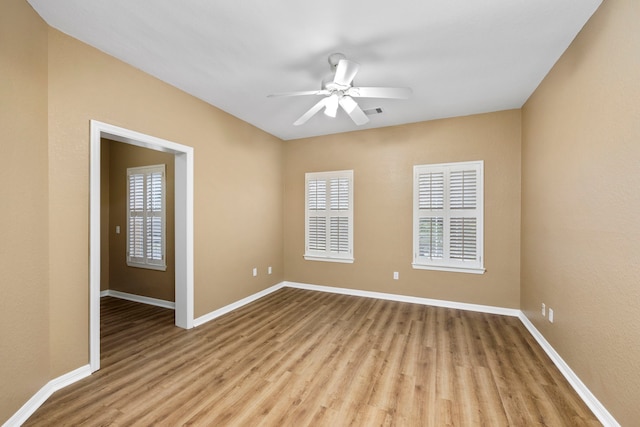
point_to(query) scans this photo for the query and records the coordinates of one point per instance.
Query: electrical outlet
(269, 271)
(396, 275)
(544, 310)
(255, 272)
(551, 315)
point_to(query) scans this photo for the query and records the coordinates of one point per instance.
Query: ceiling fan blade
(380, 92)
(313, 110)
(300, 93)
(354, 111)
(332, 106)
(345, 72)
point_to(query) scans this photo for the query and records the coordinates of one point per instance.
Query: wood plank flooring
(304, 358)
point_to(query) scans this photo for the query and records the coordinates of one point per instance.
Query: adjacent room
(257, 213)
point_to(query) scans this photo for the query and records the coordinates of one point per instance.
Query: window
(448, 217)
(146, 217)
(329, 216)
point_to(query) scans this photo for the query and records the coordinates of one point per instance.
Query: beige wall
(138, 281)
(238, 186)
(382, 161)
(24, 304)
(581, 195)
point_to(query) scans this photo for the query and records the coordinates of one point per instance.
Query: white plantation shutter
(339, 235)
(448, 217)
(136, 217)
(463, 188)
(146, 217)
(317, 221)
(317, 234)
(431, 190)
(339, 193)
(329, 216)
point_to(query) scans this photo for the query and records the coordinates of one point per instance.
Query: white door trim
(183, 226)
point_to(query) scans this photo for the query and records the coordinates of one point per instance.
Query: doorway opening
(183, 156)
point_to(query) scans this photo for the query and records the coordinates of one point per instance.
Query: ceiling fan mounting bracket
(335, 58)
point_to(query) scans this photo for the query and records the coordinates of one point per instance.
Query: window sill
(471, 270)
(327, 259)
(147, 266)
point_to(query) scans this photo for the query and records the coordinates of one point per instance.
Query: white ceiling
(460, 57)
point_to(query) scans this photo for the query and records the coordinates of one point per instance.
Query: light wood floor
(303, 358)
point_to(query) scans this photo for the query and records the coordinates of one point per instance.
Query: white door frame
(183, 226)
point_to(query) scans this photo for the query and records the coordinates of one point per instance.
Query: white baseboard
(589, 399)
(139, 298)
(228, 308)
(43, 394)
(404, 298)
(367, 294)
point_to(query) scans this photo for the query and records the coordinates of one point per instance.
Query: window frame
(446, 263)
(327, 254)
(145, 261)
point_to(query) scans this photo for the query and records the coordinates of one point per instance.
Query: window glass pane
(430, 239)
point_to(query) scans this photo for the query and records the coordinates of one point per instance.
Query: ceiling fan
(340, 91)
